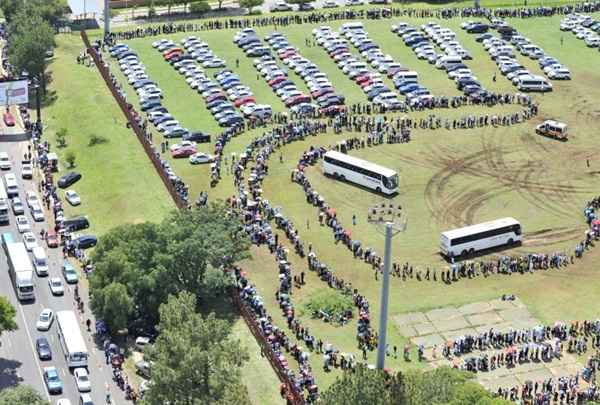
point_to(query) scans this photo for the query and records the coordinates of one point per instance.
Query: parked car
(69, 179)
(69, 272)
(8, 118)
(72, 197)
(51, 239)
(199, 158)
(76, 223)
(17, 206)
(85, 241)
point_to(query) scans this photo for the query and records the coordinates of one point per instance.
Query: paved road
(18, 359)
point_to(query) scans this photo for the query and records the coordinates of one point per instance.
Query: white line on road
(33, 351)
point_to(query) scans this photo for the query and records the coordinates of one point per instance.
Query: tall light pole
(106, 17)
(389, 218)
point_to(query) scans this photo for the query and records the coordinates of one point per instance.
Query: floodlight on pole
(390, 220)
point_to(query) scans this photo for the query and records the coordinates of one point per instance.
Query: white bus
(4, 205)
(361, 172)
(473, 238)
(71, 339)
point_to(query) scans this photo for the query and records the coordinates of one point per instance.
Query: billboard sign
(14, 92)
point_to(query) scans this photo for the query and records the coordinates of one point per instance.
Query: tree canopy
(50, 10)
(250, 4)
(7, 316)
(194, 360)
(21, 395)
(442, 386)
(148, 262)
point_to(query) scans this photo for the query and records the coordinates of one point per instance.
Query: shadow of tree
(8, 373)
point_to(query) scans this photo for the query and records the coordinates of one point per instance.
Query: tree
(250, 4)
(183, 253)
(7, 316)
(299, 2)
(70, 158)
(200, 7)
(114, 305)
(472, 393)
(30, 36)
(365, 386)
(21, 395)
(50, 10)
(194, 359)
(61, 138)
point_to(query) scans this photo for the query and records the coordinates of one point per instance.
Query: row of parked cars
(337, 46)
(502, 52)
(321, 89)
(216, 99)
(273, 74)
(199, 50)
(283, 6)
(584, 27)
(432, 36)
(150, 95)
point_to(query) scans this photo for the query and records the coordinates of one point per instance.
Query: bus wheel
(335, 175)
(378, 189)
(471, 251)
(342, 177)
(511, 242)
(463, 253)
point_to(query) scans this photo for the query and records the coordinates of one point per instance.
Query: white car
(26, 171)
(31, 198)
(82, 380)
(63, 401)
(29, 241)
(45, 320)
(37, 212)
(72, 197)
(5, 163)
(56, 286)
(23, 224)
(199, 158)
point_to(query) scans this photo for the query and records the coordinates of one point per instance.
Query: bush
(61, 138)
(199, 7)
(96, 140)
(333, 302)
(70, 158)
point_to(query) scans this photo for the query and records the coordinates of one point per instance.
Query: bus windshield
(391, 182)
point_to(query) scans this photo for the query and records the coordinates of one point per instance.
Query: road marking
(33, 352)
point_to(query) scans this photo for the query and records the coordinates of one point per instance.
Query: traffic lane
(45, 299)
(18, 362)
(100, 374)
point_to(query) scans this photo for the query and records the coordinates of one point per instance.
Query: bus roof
(8, 237)
(360, 162)
(72, 333)
(482, 227)
(19, 256)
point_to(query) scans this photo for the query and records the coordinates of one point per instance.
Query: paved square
(487, 318)
(443, 314)
(451, 324)
(475, 308)
(437, 326)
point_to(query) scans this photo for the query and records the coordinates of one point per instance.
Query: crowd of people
(274, 20)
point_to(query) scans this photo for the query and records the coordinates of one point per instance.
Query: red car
(8, 118)
(297, 100)
(338, 51)
(287, 54)
(321, 92)
(244, 100)
(363, 78)
(171, 51)
(218, 96)
(51, 239)
(276, 80)
(183, 152)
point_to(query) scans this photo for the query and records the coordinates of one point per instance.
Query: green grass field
(448, 179)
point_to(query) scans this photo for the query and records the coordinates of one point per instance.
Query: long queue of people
(525, 263)
(349, 14)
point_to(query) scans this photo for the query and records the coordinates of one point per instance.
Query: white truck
(20, 270)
